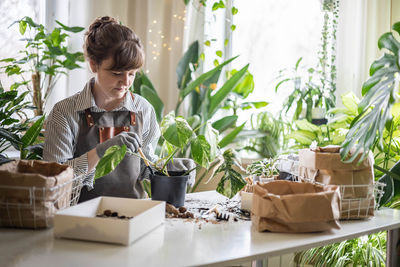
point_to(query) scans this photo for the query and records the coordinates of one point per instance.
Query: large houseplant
(45, 58)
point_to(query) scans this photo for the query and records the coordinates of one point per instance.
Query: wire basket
(360, 201)
(357, 201)
(34, 207)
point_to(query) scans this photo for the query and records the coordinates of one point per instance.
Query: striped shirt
(62, 129)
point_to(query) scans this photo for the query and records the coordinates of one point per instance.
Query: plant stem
(387, 154)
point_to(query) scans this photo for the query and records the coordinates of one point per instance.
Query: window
(271, 36)
(10, 11)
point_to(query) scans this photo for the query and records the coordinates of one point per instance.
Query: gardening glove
(131, 140)
(183, 164)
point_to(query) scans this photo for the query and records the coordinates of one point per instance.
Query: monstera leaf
(379, 93)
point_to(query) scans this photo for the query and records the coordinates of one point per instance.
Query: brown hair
(106, 38)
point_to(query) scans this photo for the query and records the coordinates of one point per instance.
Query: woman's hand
(131, 140)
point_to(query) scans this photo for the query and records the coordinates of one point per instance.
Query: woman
(82, 127)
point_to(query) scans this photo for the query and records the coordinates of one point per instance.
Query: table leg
(392, 248)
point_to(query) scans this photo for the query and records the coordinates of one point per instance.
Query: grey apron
(96, 127)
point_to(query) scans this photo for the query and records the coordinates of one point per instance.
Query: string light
(158, 40)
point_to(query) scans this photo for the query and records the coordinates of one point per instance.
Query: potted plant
(306, 94)
(263, 170)
(45, 57)
(177, 134)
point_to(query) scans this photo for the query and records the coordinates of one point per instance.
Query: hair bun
(101, 22)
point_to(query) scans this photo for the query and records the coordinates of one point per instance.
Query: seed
(114, 214)
(121, 217)
(107, 213)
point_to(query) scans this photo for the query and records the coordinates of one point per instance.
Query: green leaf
(303, 137)
(307, 126)
(153, 98)
(74, 29)
(207, 43)
(200, 151)
(350, 101)
(223, 92)
(176, 130)
(112, 157)
(22, 27)
(389, 42)
(226, 42)
(246, 86)
(202, 56)
(142, 79)
(225, 123)
(33, 132)
(218, 53)
(212, 137)
(216, 62)
(392, 188)
(228, 139)
(257, 105)
(10, 137)
(202, 78)
(234, 10)
(233, 27)
(231, 181)
(183, 71)
(280, 83)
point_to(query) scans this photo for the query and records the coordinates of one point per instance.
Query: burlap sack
(325, 166)
(285, 206)
(31, 191)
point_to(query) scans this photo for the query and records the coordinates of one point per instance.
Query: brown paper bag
(31, 191)
(324, 165)
(285, 206)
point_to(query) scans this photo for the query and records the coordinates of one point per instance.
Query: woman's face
(112, 84)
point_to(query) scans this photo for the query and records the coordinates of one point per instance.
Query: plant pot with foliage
(169, 175)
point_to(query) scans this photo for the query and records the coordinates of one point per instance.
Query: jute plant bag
(31, 191)
(324, 165)
(293, 207)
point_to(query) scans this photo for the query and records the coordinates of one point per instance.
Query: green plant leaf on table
(112, 157)
(231, 181)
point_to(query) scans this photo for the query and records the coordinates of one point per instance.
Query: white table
(178, 243)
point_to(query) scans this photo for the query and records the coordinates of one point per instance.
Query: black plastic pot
(171, 189)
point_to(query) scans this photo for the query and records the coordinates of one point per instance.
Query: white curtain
(361, 23)
(159, 24)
